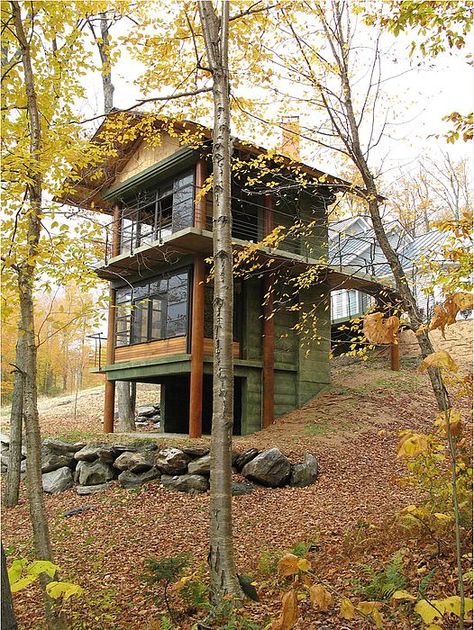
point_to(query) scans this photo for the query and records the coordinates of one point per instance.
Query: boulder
(57, 480)
(5, 459)
(270, 468)
(56, 446)
(155, 419)
(94, 473)
(118, 449)
(53, 460)
(241, 488)
(201, 466)
(196, 451)
(146, 411)
(89, 453)
(129, 479)
(106, 455)
(4, 438)
(185, 483)
(306, 473)
(245, 458)
(172, 461)
(135, 462)
(86, 490)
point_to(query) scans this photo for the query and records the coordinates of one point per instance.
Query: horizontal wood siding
(176, 345)
(209, 348)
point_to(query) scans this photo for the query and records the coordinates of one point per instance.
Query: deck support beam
(268, 350)
(109, 394)
(197, 350)
(395, 355)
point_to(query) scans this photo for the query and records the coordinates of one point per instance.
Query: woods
(169, 201)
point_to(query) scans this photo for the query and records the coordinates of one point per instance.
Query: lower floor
(290, 391)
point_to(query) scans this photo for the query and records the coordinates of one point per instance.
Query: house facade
(158, 244)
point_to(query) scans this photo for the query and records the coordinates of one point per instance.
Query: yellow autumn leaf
(304, 565)
(412, 445)
(288, 565)
(347, 610)
(442, 517)
(451, 419)
(463, 300)
(378, 619)
(320, 597)
(440, 359)
(367, 608)
(403, 596)
(379, 330)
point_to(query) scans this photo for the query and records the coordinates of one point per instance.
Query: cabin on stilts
(152, 181)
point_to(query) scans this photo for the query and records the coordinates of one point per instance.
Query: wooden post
(395, 355)
(109, 395)
(200, 204)
(116, 230)
(197, 350)
(268, 349)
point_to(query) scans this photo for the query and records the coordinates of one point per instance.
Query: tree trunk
(126, 410)
(12, 486)
(26, 276)
(224, 581)
(354, 147)
(8, 613)
(103, 46)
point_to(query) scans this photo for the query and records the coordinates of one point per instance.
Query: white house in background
(353, 246)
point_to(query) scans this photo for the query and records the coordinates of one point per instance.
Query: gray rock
(56, 446)
(94, 473)
(86, 490)
(5, 460)
(245, 458)
(53, 460)
(241, 488)
(196, 451)
(89, 453)
(135, 462)
(185, 483)
(146, 411)
(306, 473)
(57, 480)
(201, 466)
(155, 419)
(118, 449)
(270, 468)
(106, 455)
(172, 461)
(128, 479)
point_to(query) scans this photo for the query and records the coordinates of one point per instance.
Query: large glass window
(156, 214)
(152, 310)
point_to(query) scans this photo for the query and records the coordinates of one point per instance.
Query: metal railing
(97, 358)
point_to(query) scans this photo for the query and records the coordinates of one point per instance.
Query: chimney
(290, 142)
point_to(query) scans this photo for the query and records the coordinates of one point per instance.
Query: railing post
(268, 349)
(116, 229)
(197, 349)
(109, 394)
(200, 202)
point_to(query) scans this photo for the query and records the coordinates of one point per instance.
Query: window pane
(140, 322)
(157, 308)
(183, 201)
(176, 320)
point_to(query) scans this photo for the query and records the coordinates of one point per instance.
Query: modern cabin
(158, 242)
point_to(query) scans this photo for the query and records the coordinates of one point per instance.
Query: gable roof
(89, 185)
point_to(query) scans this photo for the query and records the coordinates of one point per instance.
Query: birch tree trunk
(26, 275)
(224, 580)
(12, 485)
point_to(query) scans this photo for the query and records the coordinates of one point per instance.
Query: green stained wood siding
(252, 323)
(285, 392)
(251, 402)
(314, 245)
(313, 364)
(286, 342)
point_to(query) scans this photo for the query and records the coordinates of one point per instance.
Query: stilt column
(395, 355)
(200, 203)
(268, 349)
(197, 350)
(109, 399)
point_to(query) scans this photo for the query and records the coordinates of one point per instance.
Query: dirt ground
(353, 430)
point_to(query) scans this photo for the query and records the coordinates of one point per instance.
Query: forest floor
(347, 519)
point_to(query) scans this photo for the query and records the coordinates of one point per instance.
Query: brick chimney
(290, 141)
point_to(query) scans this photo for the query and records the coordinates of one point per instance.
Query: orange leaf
(288, 565)
(441, 359)
(289, 612)
(320, 597)
(380, 330)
